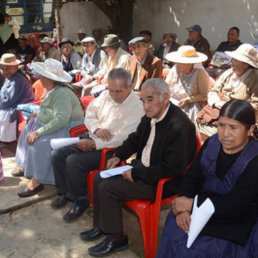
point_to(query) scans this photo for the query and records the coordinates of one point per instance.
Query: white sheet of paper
(114, 171)
(62, 142)
(199, 218)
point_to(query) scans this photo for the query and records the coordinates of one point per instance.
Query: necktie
(147, 149)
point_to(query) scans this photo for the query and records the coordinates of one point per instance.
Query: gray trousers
(70, 167)
(108, 197)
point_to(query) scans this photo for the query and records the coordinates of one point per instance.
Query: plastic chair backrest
(86, 101)
(38, 90)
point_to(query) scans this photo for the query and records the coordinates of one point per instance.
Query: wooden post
(59, 5)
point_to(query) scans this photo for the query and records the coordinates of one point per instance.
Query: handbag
(208, 115)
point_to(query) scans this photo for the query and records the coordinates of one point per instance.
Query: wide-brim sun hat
(9, 59)
(186, 55)
(245, 53)
(110, 40)
(51, 69)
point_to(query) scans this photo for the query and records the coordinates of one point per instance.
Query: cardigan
(57, 109)
(201, 85)
(247, 91)
(173, 148)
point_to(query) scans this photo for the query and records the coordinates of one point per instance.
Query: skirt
(8, 130)
(36, 158)
(173, 244)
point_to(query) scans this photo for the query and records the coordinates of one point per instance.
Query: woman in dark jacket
(225, 171)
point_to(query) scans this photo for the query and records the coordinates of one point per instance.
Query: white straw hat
(245, 53)
(9, 59)
(186, 55)
(51, 69)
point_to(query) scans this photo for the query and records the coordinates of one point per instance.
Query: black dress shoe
(17, 173)
(27, 192)
(75, 212)
(108, 246)
(59, 202)
(92, 234)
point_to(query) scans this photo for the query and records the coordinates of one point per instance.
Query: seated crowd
(154, 104)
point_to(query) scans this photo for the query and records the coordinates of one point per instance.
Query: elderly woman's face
(239, 68)
(233, 135)
(184, 68)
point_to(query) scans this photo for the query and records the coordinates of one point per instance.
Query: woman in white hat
(60, 110)
(15, 90)
(238, 82)
(188, 81)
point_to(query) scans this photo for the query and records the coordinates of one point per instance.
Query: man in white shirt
(94, 61)
(109, 119)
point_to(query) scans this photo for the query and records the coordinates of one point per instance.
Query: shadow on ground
(31, 228)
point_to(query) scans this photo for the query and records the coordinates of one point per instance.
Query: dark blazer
(172, 48)
(152, 68)
(173, 148)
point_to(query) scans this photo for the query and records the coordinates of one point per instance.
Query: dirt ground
(29, 227)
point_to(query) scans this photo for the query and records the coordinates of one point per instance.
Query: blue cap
(195, 27)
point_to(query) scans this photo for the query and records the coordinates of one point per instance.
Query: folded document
(114, 171)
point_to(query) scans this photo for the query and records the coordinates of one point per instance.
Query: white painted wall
(84, 15)
(214, 16)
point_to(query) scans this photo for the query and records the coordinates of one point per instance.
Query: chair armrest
(160, 186)
(77, 130)
(103, 158)
(36, 102)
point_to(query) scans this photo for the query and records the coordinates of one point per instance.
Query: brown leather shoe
(27, 192)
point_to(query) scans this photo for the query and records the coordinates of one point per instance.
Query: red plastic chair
(39, 93)
(79, 129)
(86, 101)
(38, 90)
(78, 77)
(102, 165)
(91, 175)
(148, 213)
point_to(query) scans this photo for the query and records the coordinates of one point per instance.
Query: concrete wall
(81, 15)
(214, 16)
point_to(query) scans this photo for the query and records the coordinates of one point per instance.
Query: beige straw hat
(245, 53)
(186, 55)
(9, 59)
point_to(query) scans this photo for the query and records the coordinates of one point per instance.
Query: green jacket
(59, 108)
